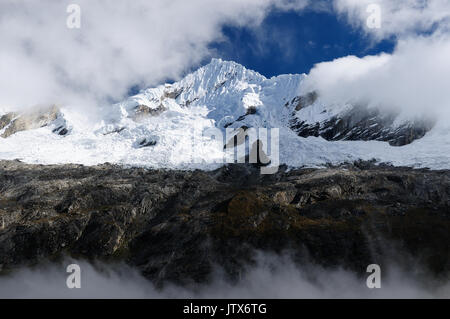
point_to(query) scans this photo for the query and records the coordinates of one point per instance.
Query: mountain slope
(165, 126)
(176, 225)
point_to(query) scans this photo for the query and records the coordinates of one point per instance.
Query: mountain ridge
(154, 127)
(174, 226)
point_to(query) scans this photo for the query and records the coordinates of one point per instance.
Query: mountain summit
(154, 128)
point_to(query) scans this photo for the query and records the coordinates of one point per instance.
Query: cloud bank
(120, 44)
(273, 276)
(413, 79)
(141, 43)
(398, 18)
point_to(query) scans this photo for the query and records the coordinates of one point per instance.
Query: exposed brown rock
(176, 225)
(6, 119)
(29, 120)
(172, 94)
(143, 111)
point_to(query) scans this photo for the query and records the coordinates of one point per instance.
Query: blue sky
(292, 42)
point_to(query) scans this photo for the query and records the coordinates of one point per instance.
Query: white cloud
(272, 276)
(398, 18)
(120, 44)
(296, 5)
(414, 78)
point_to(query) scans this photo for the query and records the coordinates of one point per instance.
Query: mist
(273, 276)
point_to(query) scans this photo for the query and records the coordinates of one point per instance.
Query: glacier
(155, 127)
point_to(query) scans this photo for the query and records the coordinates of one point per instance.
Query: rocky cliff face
(176, 225)
(14, 122)
(357, 123)
(156, 127)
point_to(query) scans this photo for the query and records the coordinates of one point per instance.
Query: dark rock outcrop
(146, 142)
(177, 225)
(303, 101)
(61, 130)
(6, 119)
(172, 93)
(360, 123)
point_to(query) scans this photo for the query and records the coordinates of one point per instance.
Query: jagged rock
(115, 130)
(143, 111)
(252, 110)
(146, 142)
(364, 124)
(13, 122)
(303, 101)
(172, 94)
(60, 130)
(6, 119)
(189, 102)
(176, 225)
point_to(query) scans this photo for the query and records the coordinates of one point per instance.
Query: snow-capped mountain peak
(154, 128)
(227, 89)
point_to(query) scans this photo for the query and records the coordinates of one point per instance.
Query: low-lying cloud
(273, 276)
(398, 18)
(413, 79)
